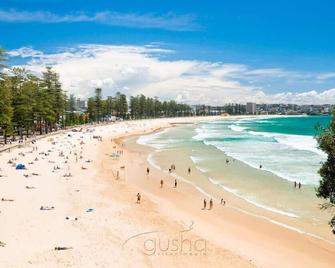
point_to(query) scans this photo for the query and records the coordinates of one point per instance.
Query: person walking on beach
(148, 171)
(162, 183)
(189, 170)
(223, 202)
(205, 204)
(138, 198)
(295, 184)
(211, 203)
(175, 183)
(299, 185)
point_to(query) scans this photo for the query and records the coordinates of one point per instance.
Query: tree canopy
(326, 189)
(38, 104)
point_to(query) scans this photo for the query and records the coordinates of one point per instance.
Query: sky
(196, 52)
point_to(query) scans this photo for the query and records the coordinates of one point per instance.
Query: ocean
(283, 146)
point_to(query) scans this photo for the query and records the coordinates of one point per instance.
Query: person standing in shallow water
(162, 183)
(299, 185)
(295, 184)
(211, 203)
(138, 198)
(175, 183)
(189, 170)
(205, 204)
(148, 171)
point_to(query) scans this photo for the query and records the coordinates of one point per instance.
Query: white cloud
(325, 76)
(25, 52)
(169, 21)
(142, 69)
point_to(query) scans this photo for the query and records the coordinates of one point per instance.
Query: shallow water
(285, 157)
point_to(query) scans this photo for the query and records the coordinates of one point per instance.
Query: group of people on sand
(210, 204)
(223, 202)
(175, 183)
(172, 168)
(297, 185)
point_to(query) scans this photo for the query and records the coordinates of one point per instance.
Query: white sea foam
(196, 159)
(304, 176)
(252, 200)
(203, 133)
(237, 128)
(199, 189)
(150, 138)
(299, 142)
(152, 162)
(203, 170)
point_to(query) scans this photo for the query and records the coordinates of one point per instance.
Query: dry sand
(105, 225)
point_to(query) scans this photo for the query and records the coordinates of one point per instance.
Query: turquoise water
(284, 146)
(301, 125)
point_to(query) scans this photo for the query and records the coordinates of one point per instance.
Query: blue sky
(286, 45)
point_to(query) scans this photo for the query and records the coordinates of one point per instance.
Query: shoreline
(96, 216)
(270, 221)
(281, 216)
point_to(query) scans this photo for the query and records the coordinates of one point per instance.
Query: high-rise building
(251, 108)
(80, 105)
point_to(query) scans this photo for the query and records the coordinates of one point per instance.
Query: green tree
(6, 111)
(121, 105)
(91, 109)
(326, 189)
(98, 104)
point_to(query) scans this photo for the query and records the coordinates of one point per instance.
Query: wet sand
(96, 220)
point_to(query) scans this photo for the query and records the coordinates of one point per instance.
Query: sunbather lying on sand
(62, 248)
(7, 199)
(46, 208)
(71, 218)
(30, 187)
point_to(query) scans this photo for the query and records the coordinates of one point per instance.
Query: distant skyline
(211, 52)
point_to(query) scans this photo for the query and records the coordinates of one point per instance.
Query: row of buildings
(253, 108)
(248, 108)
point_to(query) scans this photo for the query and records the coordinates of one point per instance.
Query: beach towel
(20, 166)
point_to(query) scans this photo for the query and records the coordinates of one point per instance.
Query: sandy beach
(75, 206)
